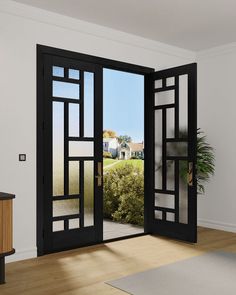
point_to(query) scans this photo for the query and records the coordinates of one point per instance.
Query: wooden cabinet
(6, 230)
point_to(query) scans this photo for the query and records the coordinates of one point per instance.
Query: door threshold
(124, 237)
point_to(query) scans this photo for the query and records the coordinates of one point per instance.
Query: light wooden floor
(85, 270)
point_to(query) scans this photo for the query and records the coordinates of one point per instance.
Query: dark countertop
(5, 196)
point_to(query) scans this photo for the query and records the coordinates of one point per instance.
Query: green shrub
(107, 155)
(124, 194)
(110, 193)
(130, 209)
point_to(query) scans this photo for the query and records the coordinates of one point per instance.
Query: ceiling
(190, 24)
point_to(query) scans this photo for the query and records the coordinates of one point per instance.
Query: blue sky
(123, 103)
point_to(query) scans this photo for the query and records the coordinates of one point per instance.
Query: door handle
(190, 173)
(99, 176)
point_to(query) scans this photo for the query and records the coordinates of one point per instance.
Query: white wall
(217, 117)
(21, 28)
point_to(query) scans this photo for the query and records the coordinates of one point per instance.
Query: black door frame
(104, 63)
(176, 230)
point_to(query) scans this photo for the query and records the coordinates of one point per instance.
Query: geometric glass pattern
(171, 149)
(73, 148)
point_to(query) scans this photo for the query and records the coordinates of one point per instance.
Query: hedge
(124, 194)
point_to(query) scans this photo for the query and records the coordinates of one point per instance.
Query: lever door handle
(190, 173)
(99, 176)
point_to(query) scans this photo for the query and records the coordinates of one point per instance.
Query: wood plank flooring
(84, 271)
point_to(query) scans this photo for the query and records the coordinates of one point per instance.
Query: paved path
(113, 164)
(112, 230)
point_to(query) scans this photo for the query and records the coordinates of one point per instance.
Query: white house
(130, 149)
(123, 151)
(110, 145)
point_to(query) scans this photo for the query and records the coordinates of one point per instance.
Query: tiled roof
(136, 147)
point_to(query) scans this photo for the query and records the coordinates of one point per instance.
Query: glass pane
(177, 149)
(183, 192)
(170, 216)
(183, 105)
(170, 175)
(74, 74)
(170, 81)
(58, 71)
(170, 123)
(158, 214)
(88, 104)
(74, 119)
(164, 200)
(58, 148)
(81, 148)
(164, 97)
(158, 149)
(73, 223)
(74, 178)
(158, 84)
(58, 225)
(65, 90)
(65, 207)
(88, 193)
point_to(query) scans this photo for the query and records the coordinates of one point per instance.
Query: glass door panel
(74, 128)
(174, 149)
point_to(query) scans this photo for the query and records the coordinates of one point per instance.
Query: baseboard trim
(217, 225)
(22, 255)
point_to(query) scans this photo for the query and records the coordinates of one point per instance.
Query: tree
(109, 134)
(124, 138)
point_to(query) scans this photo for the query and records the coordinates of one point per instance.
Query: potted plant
(205, 166)
(205, 161)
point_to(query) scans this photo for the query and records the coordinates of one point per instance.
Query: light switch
(22, 157)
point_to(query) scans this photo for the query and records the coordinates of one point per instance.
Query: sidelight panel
(183, 106)
(58, 148)
(74, 178)
(74, 120)
(88, 193)
(158, 149)
(183, 192)
(88, 104)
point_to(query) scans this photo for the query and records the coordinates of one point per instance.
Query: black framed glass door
(172, 140)
(72, 153)
(70, 149)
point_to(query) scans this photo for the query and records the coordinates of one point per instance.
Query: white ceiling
(190, 24)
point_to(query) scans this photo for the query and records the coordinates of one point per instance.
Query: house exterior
(129, 150)
(124, 150)
(110, 145)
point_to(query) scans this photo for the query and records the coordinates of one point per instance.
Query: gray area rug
(209, 274)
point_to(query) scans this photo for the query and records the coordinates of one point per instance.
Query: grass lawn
(121, 163)
(108, 162)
